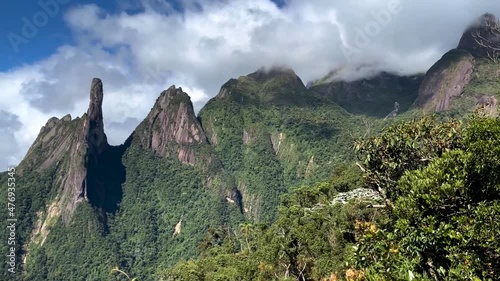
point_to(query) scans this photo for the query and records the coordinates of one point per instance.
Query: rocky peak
(67, 118)
(479, 38)
(171, 129)
(96, 136)
(70, 147)
(89, 144)
(96, 97)
(446, 79)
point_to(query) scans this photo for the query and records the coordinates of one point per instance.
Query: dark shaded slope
(375, 96)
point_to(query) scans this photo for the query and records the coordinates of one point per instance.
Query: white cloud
(138, 55)
(61, 84)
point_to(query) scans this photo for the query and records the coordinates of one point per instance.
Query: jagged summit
(67, 117)
(69, 147)
(172, 93)
(450, 76)
(53, 140)
(264, 134)
(96, 135)
(171, 128)
(482, 37)
(96, 98)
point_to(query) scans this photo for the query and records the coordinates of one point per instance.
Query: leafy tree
(405, 147)
(443, 225)
(308, 241)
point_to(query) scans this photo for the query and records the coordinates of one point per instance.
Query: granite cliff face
(445, 80)
(87, 168)
(90, 188)
(69, 147)
(95, 135)
(171, 129)
(154, 197)
(453, 73)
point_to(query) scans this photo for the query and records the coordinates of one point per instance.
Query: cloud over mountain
(139, 54)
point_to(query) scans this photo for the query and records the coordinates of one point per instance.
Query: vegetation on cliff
(438, 221)
(273, 181)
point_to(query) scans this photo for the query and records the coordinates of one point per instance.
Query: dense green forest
(437, 221)
(383, 178)
(414, 201)
(433, 218)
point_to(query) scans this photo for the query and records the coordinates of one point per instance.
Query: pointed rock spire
(96, 97)
(96, 136)
(171, 129)
(71, 146)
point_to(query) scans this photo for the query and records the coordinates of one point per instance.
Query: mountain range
(85, 206)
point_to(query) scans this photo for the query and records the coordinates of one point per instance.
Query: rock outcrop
(362, 194)
(88, 146)
(69, 147)
(454, 71)
(446, 79)
(95, 132)
(482, 37)
(357, 195)
(52, 142)
(488, 105)
(171, 129)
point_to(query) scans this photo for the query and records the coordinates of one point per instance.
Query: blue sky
(55, 33)
(49, 37)
(141, 47)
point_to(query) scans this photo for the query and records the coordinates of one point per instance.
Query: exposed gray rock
(246, 137)
(70, 146)
(67, 118)
(85, 151)
(357, 194)
(446, 79)
(171, 129)
(95, 135)
(489, 104)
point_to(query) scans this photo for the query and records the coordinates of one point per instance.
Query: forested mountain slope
(275, 181)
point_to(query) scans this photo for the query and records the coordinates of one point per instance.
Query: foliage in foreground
(307, 242)
(444, 222)
(442, 185)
